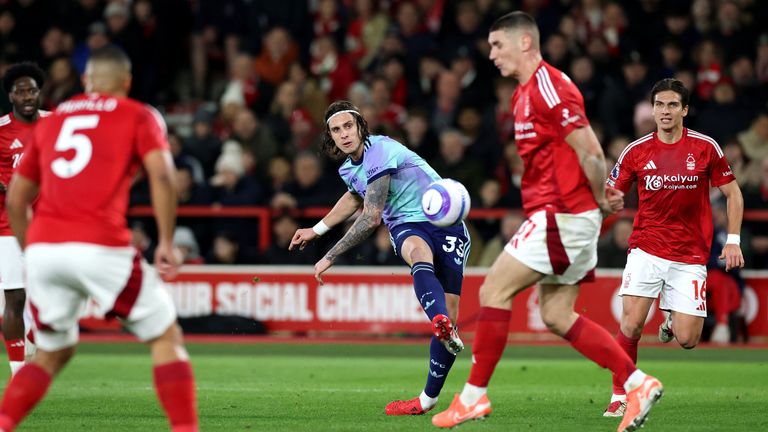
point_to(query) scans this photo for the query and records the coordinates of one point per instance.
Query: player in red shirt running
(81, 162)
(563, 196)
(670, 244)
(22, 82)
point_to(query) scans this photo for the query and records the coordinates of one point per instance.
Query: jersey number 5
(69, 139)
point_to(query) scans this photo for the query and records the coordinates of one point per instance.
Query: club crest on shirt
(690, 163)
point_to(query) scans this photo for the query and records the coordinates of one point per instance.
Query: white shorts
(63, 276)
(683, 287)
(11, 264)
(562, 246)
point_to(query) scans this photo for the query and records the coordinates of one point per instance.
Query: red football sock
(15, 349)
(490, 340)
(596, 344)
(175, 386)
(25, 390)
(629, 345)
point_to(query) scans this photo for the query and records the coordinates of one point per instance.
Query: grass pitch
(291, 387)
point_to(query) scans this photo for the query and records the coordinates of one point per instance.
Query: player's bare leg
(686, 329)
(506, 278)
(13, 328)
(443, 310)
(174, 381)
(633, 315)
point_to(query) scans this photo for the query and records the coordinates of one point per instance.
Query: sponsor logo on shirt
(524, 130)
(671, 182)
(568, 118)
(16, 144)
(650, 165)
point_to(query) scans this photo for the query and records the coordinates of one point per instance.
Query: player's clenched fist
(614, 201)
(301, 238)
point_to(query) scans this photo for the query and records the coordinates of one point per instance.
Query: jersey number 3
(70, 139)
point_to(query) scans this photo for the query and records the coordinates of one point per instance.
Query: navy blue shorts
(450, 249)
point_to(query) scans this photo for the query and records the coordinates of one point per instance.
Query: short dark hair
(329, 146)
(111, 53)
(674, 85)
(514, 20)
(20, 70)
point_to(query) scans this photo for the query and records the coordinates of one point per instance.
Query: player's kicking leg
(441, 308)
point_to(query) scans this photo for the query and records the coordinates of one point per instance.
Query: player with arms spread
(563, 193)
(81, 162)
(670, 244)
(388, 180)
(22, 82)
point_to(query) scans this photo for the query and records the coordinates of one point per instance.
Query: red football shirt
(14, 136)
(546, 109)
(674, 217)
(84, 157)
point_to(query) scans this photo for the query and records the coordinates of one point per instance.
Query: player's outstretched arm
(735, 202)
(373, 206)
(584, 142)
(345, 207)
(20, 195)
(162, 182)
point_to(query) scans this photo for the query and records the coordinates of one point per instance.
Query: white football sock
(471, 394)
(426, 401)
(634, 380)
(618, 397)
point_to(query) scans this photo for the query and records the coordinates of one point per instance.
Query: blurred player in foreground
(672, 235)
(81, 162)
(564, 194)
(388, 180)
(22, 82)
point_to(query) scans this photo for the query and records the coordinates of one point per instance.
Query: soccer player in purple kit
(388, 180)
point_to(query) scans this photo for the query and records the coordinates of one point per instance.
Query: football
(445, 202)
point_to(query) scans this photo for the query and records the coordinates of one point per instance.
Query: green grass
(276, 387)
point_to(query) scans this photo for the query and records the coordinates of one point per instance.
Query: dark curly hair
(328, 146)
(20, 70)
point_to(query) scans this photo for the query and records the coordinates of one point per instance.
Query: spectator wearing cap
(184, 239)
(204, 145)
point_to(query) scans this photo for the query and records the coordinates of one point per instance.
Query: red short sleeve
(30, 162)
(720, 172)
(151, 131)
(623, 174)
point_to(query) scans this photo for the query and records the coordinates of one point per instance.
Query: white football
(445, 202)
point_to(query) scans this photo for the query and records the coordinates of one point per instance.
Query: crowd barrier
(380, 300)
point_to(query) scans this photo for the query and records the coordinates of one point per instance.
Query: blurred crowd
(243, 85)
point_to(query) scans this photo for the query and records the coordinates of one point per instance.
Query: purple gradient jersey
(410, 176)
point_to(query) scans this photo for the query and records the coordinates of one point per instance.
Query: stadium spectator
(254, 136)
(422, 83)
(452, 163)
(612, 251)
(204, 145)
(366, 32)
(378, 252)
(310, 95)
(22, 83)
(97, 38)
(419, 136)
(724, 115)
(668, 252)
(308, 188)
(756, 197)
(245, 87)
(74, 254)
(292, 125)
(63, 82)
(334, 71)
(755, 139)
(277, 55)
(184, 240)
(445, 104)
(620, 96)
(531, 256)
(227, 250)
(747, 175)
(724, 288)
(582, 72)
(392, 116)
(231, 187)
(510, 223)
(386, 180)
(393, 70)
(283, 227)
(181, 157)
